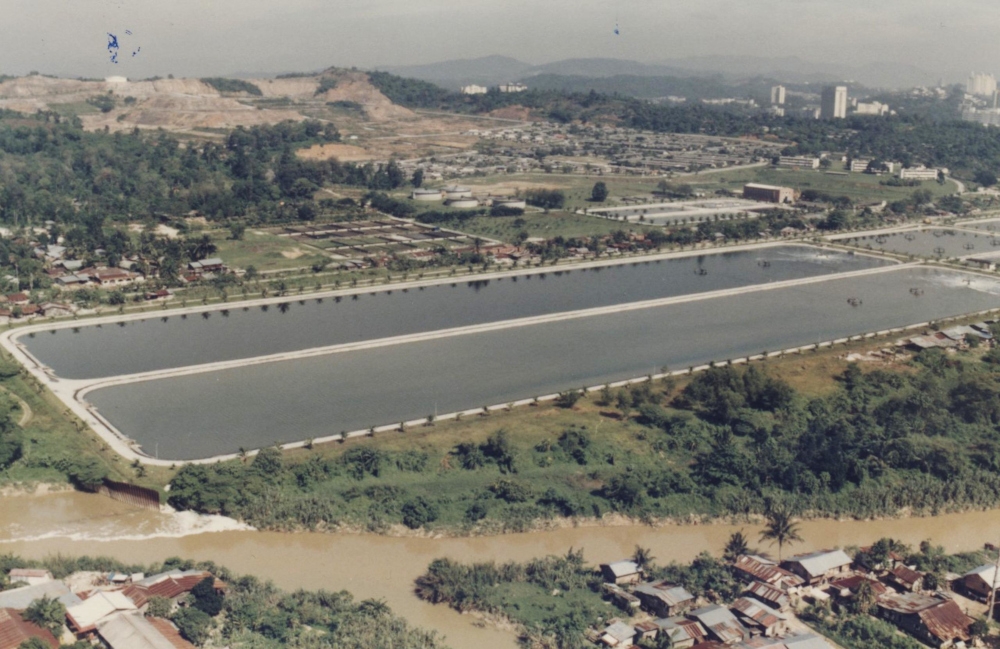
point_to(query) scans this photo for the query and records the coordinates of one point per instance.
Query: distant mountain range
(492, 70)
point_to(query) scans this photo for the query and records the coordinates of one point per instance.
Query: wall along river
(204, 414)
(168, 341)
(385, 567)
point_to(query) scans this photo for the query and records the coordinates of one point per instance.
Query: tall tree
(736, 547)
(643, 557)
(780, 529)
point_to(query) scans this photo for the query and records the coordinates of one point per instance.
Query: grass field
(547, 226)
(264, 251)
(52, 434)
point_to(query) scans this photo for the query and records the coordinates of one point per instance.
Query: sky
(218, 37)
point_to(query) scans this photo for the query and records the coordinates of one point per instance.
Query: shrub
(418, 512)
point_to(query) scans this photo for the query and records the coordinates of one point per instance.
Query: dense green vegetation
(734, 442)
(553, 600)
(233, 85)
(253, 613)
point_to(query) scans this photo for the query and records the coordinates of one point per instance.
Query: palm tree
(781, 529)
(47, 613)
(736, 547)
(643, 556)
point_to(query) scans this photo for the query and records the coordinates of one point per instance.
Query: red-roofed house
(14, 630)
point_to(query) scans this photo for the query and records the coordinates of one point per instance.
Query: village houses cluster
(765, 614)
(109, 610)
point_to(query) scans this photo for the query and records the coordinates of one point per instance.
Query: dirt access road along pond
(385, 567)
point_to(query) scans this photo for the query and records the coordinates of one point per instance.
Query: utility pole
(993, 589)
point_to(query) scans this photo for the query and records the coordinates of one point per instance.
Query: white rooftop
(132, 631)
(818, 563)
(98, 606)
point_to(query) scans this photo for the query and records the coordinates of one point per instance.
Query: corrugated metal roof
(670, 594)
(84, 616)
(766, 572)
(854, 581)
(986, 572)
(817, 564)
(14, 630)
(768, 594)
(21, 598)
(132, 631)
(758, 612)
(681, 629)
(906, 575)
(620, 631)
(170, 632)
(623, 568)
(720, 622)
(947, 622)
(907, 603)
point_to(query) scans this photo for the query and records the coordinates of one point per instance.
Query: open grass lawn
(264, 251)
(537, 224)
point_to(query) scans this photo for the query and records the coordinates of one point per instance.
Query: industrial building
(474, 90)
(798, 162)
(768, 193)
(833, 102)
(778, 95)
(981, 84)
(455, 192)
(426, 194)
(918, 173)
(513, 87)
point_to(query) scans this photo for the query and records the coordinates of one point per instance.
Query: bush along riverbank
(921, 437)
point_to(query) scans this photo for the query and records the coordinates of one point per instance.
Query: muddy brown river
(383, 567)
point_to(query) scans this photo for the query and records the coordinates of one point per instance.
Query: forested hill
(963, 147)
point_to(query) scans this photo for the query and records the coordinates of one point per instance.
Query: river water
(169, 341)
(212, 413)
(384, 567)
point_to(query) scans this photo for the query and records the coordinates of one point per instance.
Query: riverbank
(373, 566)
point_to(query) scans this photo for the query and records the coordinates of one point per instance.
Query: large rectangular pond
(928, 243)
(217, 412)
(986, 225)
(172, 341)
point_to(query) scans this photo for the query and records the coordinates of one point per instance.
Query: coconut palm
(736, 547)
(642, 556)
(780, 529)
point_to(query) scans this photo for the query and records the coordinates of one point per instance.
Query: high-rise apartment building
(833, 104)
(778, 96)
(984, 85)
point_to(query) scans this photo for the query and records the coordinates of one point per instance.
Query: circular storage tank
(463, 202)
(426, 194)
(455, 192)
(513, 203)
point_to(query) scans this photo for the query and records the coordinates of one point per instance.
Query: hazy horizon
(192, 38)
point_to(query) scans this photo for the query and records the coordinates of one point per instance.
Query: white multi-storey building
(982, 84)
